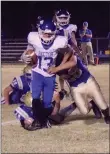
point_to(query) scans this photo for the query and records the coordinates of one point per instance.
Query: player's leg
(95, 109)
(67, 110)
(37, 106)
(61, 81)
(82, 89)
(80, 98)
(58, 62)
(56, 98)
(49, 86)
(90, 51)
(84, 53)
(98, 98)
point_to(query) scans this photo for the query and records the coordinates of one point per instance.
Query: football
(33, 57)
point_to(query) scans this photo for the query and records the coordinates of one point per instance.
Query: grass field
(78, 134)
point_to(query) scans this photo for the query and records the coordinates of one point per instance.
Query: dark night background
(17, 16)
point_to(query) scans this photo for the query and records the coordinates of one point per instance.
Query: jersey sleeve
(90, 32)
(30, 40)
(17, 83)
(23, 112)
(73, 28)
(62, 42)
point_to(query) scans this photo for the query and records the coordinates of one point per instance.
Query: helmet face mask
(62, 18)
(47, 32)
(27, 72)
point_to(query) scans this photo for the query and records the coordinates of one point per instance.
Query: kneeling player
(13, 94)
(83, 86)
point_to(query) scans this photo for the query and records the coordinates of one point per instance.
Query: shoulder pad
(61, 41)
(73, 27)
(19, 81)
(32, 36)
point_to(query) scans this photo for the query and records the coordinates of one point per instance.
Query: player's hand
(26, 58)
(52, 70)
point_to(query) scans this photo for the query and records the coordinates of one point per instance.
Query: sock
(106, 112)
(61, 95)
(38, 111)
(68, 110)
(92, 103)
(48, 111)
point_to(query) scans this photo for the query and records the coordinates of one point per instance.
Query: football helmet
(27, 71)
(28, 99)
(47, 32)
(62, 17)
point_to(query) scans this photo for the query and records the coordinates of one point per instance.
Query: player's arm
(27, 58)
(67, 65)
(73, 38)
(6, 93)
(67, 53)
(90, 34)
(74, 42)
(56, 98)
(15, 85)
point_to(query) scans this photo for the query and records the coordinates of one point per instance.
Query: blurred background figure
(39, 21)
(86, 45)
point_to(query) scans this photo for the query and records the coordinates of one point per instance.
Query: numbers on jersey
(14, 82)
(49, 63)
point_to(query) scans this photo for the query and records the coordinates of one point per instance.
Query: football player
(62, 19)
(64, 26)
(24, 112)
(83, 86)
(46, 46)
(20, 85)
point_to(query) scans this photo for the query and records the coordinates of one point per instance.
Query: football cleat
(107, 119)
(96, 111)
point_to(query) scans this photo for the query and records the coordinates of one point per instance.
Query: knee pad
(85, 112)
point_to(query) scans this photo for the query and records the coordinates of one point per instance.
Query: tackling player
(83, 86)
(46, 46)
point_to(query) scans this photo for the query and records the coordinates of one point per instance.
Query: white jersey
(46, 57)
(68, 30)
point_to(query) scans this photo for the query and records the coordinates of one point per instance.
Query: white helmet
(62, 17)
